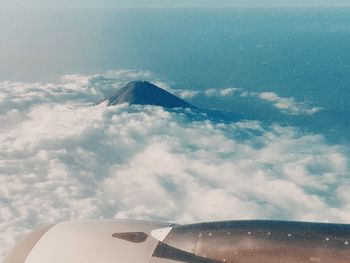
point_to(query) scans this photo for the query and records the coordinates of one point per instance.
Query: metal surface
(257, 241)
(129, 241)
(23, 248)
(92, 241)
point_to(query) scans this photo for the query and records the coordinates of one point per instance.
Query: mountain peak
(146, 93)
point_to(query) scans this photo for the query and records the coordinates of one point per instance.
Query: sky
(169, 3)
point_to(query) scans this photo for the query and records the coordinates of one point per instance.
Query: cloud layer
(287, 106)
(63, 157)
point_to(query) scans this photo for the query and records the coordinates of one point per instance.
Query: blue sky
(169, 3)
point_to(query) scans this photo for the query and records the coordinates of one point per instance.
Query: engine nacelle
(127, 241)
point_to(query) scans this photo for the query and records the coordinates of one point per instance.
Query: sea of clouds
(64, 155)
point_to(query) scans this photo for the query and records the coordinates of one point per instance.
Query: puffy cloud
(288, 105)
(64, 157)
(222, 92)
(186, 94)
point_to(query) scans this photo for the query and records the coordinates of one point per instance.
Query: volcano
(145, 93)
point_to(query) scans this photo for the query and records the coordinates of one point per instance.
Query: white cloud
(222, 92)
(288, 105)
(187, 94)
(61, 157)
(228, 91)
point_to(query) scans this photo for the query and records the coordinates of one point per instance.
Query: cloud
(288, 105)
(222, 92)
(63, 157)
